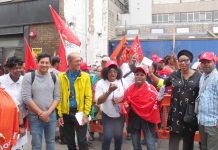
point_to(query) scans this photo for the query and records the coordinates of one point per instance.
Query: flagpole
(174, 40)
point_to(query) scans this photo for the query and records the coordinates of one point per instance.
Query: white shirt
(107, 107)
(130, 79)
(14, 90)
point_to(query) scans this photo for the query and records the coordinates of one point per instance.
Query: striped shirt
(208, 104)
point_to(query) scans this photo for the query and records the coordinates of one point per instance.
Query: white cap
(106, 58)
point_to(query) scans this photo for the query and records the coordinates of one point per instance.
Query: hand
(126, 104)
(173, 58)
(112, 87)
(85, 120)
(117, 100)
(22, 131)
(61, 122)
(150, 70)
(45, 116)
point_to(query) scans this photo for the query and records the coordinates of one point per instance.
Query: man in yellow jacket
(76, 96)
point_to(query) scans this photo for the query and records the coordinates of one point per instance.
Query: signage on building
(36, 51)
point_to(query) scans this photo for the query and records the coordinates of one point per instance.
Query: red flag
(30, 63)
(118, 49)
(62, 54)
(63, 28)
(137, 49)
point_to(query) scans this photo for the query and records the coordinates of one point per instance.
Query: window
(171, 18)
(209, 16)
(165, 18)
(190, 17)
(154, 18)
(184, 17)
(177, 17)
(215, 16)
(202, 17)
(159, 18)
(196, 16)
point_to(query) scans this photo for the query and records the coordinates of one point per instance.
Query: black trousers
(187, 137)
(70, 126)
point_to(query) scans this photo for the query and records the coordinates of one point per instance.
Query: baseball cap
(140, 68)
(159, 59)
(154, 57)
(84, 66)
(106, 58)
(111, 63)
(207, 56)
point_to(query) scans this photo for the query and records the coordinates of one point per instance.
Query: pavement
(96, 145)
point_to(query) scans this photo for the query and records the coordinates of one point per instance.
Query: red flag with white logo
(136, 49)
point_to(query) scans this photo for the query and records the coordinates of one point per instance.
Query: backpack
(33, 74)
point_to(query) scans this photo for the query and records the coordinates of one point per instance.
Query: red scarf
(143, 102)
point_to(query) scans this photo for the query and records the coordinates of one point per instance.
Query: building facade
(27, 18)
(184, 18)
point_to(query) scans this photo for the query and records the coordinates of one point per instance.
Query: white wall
(140, 13)
(93, 43)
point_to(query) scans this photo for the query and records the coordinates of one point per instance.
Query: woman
(109, 93)
(185, 87)
(144, 113)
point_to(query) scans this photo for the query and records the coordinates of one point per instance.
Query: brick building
(30, 19)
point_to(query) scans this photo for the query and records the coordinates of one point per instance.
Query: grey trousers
(208, 137)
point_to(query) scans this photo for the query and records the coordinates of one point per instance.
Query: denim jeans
(37, 127)
(112, 128)
(149, 136)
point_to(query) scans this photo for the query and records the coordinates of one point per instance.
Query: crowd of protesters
(116, 96)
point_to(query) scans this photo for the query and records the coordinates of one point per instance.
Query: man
(104, 60)
(41, 94)
(55, 62)
(76, 96)
(208, 102)
(11, 83)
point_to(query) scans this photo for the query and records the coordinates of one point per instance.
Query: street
(127, 145)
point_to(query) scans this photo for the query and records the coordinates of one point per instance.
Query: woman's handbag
(190, 116)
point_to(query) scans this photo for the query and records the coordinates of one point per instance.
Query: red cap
(207, 56)
(141, 68)
(159, 59)
(111, 63)
(84, 66)
(154, 57)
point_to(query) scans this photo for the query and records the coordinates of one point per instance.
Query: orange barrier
(96, 126)
(163, 132)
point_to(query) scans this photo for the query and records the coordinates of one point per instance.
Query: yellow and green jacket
(83, 91)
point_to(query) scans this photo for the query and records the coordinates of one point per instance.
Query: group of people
(126, 93)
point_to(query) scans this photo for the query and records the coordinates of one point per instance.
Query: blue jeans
(149, 135)
(37, 126)
(112, 128)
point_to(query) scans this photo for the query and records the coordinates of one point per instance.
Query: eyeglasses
(184, 60)
(112, 71)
